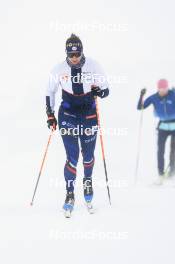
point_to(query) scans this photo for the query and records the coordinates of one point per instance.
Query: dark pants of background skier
(74, 143)
(162, 138)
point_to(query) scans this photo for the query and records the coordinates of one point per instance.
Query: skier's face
(75, 58)
(163, 92)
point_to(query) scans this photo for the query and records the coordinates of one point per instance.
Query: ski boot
(69, 204)
(88, 194)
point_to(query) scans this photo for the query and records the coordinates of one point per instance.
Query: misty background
(133, 41)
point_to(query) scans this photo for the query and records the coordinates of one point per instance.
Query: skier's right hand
(51, 121)
(143, 92)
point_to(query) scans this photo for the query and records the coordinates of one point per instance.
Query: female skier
(81, 79)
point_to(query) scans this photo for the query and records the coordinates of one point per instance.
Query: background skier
(81, 79)
(164, 107)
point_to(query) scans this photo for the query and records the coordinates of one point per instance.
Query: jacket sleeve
(51, 90)
(100, 79)
(142, 105)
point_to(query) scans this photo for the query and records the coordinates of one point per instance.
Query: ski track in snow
(136, 229)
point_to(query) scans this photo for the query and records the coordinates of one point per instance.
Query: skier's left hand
(102, 93)
(96, 91)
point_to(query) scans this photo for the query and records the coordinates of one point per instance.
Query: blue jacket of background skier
(164, 107)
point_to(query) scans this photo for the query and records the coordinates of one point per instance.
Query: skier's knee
(88, 163)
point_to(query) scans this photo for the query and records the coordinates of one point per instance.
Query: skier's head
(74, 49)
(163, 87)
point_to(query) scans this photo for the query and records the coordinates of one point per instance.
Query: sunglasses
(76, 54)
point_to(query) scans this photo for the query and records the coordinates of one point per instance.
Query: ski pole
(139, 144)
(102, 149)
(42, 164)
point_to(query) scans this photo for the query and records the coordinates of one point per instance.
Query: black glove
(96, 91)
(143, 92)
(140, 103)
(51, 121)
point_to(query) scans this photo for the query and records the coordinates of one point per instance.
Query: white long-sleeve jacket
(75, 83)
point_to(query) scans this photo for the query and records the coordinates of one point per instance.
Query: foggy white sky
(147, 47)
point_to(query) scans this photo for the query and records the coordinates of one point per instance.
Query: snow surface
(139, 226)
